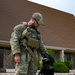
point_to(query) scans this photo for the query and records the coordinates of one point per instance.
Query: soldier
(25, 44)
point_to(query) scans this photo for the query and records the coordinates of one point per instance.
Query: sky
(62, 5)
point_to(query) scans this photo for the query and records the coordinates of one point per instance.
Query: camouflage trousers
(26, 68)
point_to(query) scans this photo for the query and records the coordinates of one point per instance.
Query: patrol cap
(38, 18)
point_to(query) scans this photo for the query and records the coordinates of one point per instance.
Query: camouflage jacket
(24, 35)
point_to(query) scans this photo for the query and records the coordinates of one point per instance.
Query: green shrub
(60, 67)
(68, 64)
(51, 51)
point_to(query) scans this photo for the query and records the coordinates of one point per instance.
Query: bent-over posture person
(26, 43)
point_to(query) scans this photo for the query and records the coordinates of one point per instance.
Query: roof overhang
(4, 43)
(61, 48)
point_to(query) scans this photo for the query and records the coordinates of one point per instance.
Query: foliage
(68, 64)
(51, 51)
(60, 67)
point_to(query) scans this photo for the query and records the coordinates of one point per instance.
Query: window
(1, 57)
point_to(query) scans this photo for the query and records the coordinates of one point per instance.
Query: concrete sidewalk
(12, 72)
(37, 74)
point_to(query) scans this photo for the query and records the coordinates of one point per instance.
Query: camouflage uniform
(20, 42)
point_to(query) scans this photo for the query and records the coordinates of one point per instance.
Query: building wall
(8, 62)
(59, 26)
(5, 62)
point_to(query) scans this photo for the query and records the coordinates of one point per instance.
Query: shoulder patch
(21, 26)
(24, 23)
(18, 27)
